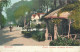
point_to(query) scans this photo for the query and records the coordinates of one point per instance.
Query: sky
(14, 1)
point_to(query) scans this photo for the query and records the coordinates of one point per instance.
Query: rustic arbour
(57, 24)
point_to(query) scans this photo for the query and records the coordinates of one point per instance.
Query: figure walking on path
(10, 28)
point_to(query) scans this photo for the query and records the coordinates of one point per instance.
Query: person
(10, 28)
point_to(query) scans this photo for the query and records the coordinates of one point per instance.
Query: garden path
(15, 38)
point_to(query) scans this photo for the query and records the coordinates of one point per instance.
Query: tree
(3, 3)
(71, 1)
(18, 8)
(55, 3)
(74, 20)
(42, 5)
(21, 13)
(2, 21)
(60, 2)
(75, 16)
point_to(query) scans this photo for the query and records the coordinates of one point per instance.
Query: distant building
(36, 18)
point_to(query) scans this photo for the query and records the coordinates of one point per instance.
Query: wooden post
(46, 34)
(51, 38)
(55, 31)
(69, 28)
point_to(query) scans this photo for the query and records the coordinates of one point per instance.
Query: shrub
(36, 35)
(64, 42)
(39, 36)
(33, 25)
(40, 26)
(23, 32)
(27, 34)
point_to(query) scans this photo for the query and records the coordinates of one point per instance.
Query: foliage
(64, 42)
(74, 9)
(50, 27)
(21, 11)
(2, 20)
(76, 17)
(21, 22)
(27, 34)
(37, 35)
(40, 26)
(70, 7)
(56, 21)
(33, 25)
(5, 3)
(43, 25)
(42, 5)
(14, 8)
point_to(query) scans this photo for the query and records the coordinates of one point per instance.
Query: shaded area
(15, 38)
(5, 38)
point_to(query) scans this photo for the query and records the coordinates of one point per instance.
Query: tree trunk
(55, 3)
(55, 31)
(68, 1)
(60, 2)
(69, 28)
(47, 8)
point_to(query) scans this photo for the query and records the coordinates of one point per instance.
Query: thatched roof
(54, 14)
(65, 15)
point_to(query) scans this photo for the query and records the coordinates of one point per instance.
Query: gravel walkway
(15, 38)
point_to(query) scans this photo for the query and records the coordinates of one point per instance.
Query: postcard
(39, 25)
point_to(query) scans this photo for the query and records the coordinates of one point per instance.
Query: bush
(27, 34)
(40, 26)
(64, 42)
(39, 36)
(33, 25)
(36, 35)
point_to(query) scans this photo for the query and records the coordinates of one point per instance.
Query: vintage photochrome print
(47, 24)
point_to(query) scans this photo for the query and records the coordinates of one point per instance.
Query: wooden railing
(72, 36)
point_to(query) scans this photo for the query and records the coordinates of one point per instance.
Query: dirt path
(15, 38)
